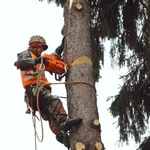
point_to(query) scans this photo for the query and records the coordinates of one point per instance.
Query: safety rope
(35, 134)
(34, 125)
(40, 71)
(80, 82)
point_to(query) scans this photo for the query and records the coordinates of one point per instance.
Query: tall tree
(82, 100)
(126, 24)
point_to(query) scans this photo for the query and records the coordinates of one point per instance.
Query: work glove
(59, 50)
(38, 60)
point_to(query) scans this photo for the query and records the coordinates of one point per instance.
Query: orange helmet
(38, 41)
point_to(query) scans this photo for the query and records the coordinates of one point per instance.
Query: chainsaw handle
(59, 77)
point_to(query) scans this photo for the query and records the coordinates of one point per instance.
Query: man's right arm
(25, 61)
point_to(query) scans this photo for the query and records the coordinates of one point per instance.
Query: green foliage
(132, 105)
(131, 48)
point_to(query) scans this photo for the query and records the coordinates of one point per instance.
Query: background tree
(126, 24)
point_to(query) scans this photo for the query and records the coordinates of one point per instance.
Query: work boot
(64, 139)
(69, 123)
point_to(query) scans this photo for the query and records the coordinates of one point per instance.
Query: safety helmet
(38, 41)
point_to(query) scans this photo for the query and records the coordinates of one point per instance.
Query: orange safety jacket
(29, 77)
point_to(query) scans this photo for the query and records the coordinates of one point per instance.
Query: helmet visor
(45, 47)
(39, 44)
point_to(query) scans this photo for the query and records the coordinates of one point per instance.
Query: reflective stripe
(29, 72)
(28, 78)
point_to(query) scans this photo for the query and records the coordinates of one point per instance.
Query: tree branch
(144, 5)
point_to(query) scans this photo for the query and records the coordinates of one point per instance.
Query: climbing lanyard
(40, 71)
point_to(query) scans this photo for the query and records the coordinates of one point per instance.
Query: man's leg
(55, 107)
(59, 112)
(61, 137)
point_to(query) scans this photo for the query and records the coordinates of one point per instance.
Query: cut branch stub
(98, 146)
(78, 6)
(96, 123)
(80, 146)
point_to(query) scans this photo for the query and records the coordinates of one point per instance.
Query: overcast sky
(20, 19)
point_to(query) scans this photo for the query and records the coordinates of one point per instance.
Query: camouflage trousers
(51, 107)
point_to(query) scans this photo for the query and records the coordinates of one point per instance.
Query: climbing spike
(80, 146)
(98, 146)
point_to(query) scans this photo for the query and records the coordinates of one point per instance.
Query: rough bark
(82, 100)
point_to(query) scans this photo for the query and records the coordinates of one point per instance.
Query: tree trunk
(82, 101)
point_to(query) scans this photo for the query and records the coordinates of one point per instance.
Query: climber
(51, 107)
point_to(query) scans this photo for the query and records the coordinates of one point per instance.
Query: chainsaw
(56, 65)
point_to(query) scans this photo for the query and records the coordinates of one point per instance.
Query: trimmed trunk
(82, 102)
